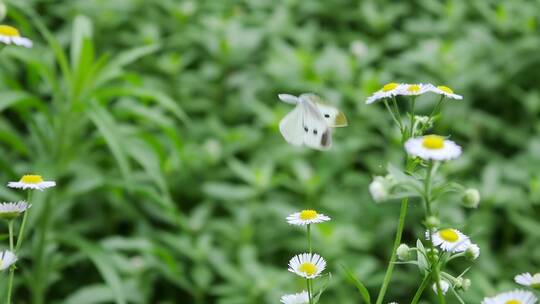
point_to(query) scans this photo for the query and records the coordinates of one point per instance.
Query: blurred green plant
(173, 182)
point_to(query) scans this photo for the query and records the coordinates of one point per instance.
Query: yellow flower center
(433, 142)
(31, 179)
(307, 215)
(6, 30)
(445, 89)
(449, 235)
(513, 302)
(308, 268)
(389, 86)
(413, 88)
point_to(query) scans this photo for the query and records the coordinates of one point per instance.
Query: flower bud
(471, 198)
(403, 252)
(472, 252)
(444, 286)
(378, 189)
(3, 10)
(433, 253)
(432, 222)
(462, 284)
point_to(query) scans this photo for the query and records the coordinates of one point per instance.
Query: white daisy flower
(306, 217)
(10, 210)
(297, 298)
(32, 182)
(512, 297)
(307, 265)
(432, 147)
(416, 89)
(446, 91)
(527, 279)
(473, 251)
(7, 258)
(444, 286)
(388, 90)
(9, 35)
(451, 240)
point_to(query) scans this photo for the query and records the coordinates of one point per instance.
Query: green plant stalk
(12, 268)
(421, 289)
(413, 104)
(393, 257)
(393, 115)
(402, 213)
(309, 286)
(20, 237)
(38, 293)
(433, 263)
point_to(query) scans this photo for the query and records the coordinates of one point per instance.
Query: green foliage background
(158, 120)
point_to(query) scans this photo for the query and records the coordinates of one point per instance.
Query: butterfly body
(310, 123)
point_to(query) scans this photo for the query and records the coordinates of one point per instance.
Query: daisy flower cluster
(426, 152)
(10, 211)
(307, 265)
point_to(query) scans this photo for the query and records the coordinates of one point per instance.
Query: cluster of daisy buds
(425, 154)
(308, 265)
(10, 211)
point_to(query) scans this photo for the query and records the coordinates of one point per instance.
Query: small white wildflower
(7, 258)
(432, 147)
(307, 265)
(451, 240)
(32, 181)
(306, 217)
(11, 210)
(527, 279)
(297, 298)
(512, 297)
(446, 91)
(387, 91)
(415, 89)
(10, 35)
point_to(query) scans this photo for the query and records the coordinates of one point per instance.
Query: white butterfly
(310, 122)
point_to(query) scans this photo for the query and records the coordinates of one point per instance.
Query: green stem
(393, 257)
(12, 268)
(437, 108)
(39, 284)
(393, 115)
(20, 235)
(431, 256)
(413, 103)
(310, 249)
(10, 229)
(309, 291)
(396, 108)
(309, 238)
(420, 290)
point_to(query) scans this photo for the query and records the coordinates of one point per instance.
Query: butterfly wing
(317, 134)
(334, 117)
(288, 98)
(291, 126)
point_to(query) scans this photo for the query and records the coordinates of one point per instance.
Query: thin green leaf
(361, 288)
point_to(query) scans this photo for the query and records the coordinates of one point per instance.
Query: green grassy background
(158, 120)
